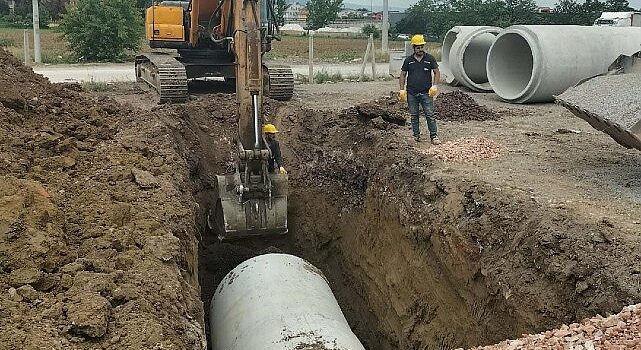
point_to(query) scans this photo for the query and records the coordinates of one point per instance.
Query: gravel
(620, 331)
(611, 104)
(468, 149)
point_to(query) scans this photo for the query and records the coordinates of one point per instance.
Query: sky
(406, 3)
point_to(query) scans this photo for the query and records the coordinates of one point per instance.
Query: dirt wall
(441, 260)
(97, 231)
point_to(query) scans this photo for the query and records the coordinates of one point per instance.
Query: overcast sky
(406, 3)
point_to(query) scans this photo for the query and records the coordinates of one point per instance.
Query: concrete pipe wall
(468, 55)
(277, 302)
(533, 63)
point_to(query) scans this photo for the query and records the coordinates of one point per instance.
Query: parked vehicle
(619, 19)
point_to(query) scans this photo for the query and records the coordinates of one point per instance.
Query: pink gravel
(619, 331)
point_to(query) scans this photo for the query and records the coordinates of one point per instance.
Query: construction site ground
(103, 198)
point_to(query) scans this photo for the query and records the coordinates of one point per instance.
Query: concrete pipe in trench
(463, 55)
(277, 302)
(534, 63)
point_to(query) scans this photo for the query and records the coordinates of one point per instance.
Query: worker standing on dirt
(275, 158)
(417, 70)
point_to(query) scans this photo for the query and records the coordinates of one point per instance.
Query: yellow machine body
(165, 23)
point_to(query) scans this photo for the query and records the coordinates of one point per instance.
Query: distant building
(296, 13)
(544, 9)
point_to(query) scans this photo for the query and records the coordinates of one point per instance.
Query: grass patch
(54, 47)
(324, 77)
(95, 86)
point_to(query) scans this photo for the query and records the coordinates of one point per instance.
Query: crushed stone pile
(619, 331)
(95, 221)
(615, 109)
(459, 106)
(468, 149)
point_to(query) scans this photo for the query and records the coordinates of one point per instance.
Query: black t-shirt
(276, 157)
(419, 73)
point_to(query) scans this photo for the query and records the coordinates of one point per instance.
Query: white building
(296, 13)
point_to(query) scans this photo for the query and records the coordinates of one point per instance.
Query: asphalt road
(124, 72)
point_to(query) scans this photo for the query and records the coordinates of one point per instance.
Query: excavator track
(281, 83)
(165, 74)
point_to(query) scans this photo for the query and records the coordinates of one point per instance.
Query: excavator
(204, 34)
(226, 38)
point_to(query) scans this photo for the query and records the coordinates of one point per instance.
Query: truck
(619, 19)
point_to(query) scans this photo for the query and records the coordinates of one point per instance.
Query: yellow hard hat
(269, 129)
(418, 40)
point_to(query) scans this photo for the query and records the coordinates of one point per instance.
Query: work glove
(402, 95)
(282, 171)
(433, 91)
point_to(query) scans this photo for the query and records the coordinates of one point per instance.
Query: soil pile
(619, 331)
(458, 106)
(467, 149)
(96, 222)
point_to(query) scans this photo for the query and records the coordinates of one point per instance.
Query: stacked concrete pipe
(277, 302)
(534, 63)
(464, 54)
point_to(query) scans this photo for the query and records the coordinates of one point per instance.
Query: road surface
(124, 72)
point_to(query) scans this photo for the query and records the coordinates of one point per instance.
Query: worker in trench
(276, 157)
(420, 72)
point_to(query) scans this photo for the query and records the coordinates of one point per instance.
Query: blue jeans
(425, 102)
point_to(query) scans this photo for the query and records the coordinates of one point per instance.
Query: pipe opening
(475, 57)
(450, 38)
(510, 65)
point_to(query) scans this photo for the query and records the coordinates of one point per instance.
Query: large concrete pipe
(467, 55)
(533, 63)
(277, 302)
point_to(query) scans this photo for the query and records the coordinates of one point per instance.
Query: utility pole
(37, 56)
(385, 26)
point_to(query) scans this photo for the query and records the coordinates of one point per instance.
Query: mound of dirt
(96, 222)
(458, 106)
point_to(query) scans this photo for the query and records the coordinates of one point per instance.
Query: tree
(4, 8)
(618, 6)
(371, 29)
(322, 12)
(101, 30)
(521, 11)
(279, 11)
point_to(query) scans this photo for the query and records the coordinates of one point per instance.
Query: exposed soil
(459, 106)
(102, 243)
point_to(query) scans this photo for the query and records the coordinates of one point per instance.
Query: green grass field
(292, 48)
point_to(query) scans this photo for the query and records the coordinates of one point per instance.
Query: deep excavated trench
(417, 258)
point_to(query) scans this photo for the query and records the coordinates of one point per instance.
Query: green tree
(521, 11)
(102, 30)
(618, 6)
(322, 12)
(280, 8)
(4, 8)
(371, 29)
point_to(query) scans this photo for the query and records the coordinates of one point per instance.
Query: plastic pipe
(467, 55)
(277, 302)
(534, 63)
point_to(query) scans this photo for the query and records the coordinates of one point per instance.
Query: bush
(371, 29)
(102, 30)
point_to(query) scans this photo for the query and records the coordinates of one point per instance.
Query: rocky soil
(97, 243)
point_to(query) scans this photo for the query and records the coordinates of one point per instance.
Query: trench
(415, 260)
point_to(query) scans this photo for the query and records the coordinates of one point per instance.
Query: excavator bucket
(263, 215)
(610, 102)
